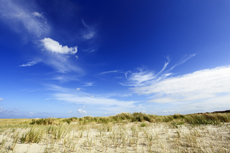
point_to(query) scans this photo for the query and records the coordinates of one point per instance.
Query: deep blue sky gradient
(129, 38)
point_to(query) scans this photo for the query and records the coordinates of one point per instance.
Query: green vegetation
(125, 132)
(143, 124)
(206, 118)
(45, 121)
(33, 136)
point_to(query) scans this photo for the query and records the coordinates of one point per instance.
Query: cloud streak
(139, 78)
(203, 84)
(88, 84)
(62, 63)
(81, 111)
(90, 100)
(19, 16)
(89, 33)
(37, 14)
(144, 78)
(32, 63)
(82, 98)
(106, 72)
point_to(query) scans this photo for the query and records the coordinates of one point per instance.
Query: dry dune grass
(124, 132)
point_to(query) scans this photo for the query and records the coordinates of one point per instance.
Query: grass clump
(201, 118)
(43, 121)
(33, 136)
(69, 120)
(57, 131)
(207, 118)
(143, 125)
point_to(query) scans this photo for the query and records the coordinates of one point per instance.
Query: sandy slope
(131, 137)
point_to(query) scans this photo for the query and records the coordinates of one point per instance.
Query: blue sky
(98, 58)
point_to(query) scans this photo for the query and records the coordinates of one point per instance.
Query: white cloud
(203, 84)
(144, 77)
(81, 111)
(95, 100)
(85, 24)
(78, 89)
(183, 60)
(88, 84)
(30, 63)
(37, 14)
(90, 50)
(54, 46)
(126, 74)
(97, 103)
(89, 33)
(106, 72)
(138, 78)
(1, 99)
(91, 100)
(70, 111)
(62, 63)
(19, 16)
(65, 78)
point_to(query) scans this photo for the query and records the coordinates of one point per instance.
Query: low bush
(200, 118)
(43, 121)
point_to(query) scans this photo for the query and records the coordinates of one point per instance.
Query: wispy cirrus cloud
(88, 84)
(139, 78)
(61, 63)
(54, 47)
(183, 60)
(30, 63)
(106, 72)
(145, 77)
(37, 14)
(25, 19)
(203, 84)
(21, 18)
(92, 100)
(89, 32)
(65, 78)
(195, 90)
(84, 98)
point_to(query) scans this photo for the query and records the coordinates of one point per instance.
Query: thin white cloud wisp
(106, 72)
(203, 84)
(88, 84)
(144, 77)
(81, 111)
(89, 33)
(30, 63)
(37, 14)
(20, 17)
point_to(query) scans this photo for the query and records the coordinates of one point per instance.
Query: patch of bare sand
(29, 148)
(130, 137)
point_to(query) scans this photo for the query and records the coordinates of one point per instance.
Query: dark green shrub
(143, 124)
(45, 121)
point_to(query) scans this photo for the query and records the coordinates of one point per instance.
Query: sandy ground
(114, 138)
